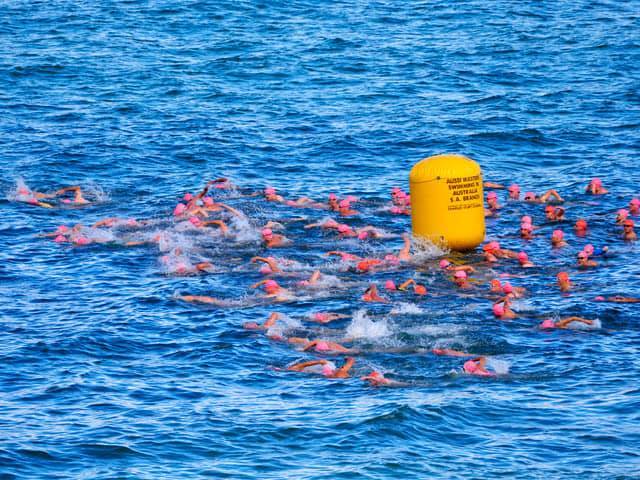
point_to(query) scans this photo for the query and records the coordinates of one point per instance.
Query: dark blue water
(104, 374)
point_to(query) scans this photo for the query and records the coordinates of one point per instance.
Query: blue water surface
(104, 374)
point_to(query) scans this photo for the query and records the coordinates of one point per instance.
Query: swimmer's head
(344, 204)
(557, 235)
(523, 257)
(390, 285)
(628, 223)
(581, 224)
(363, 266)
(622, 214)
(328, 370)
(507, 288)
(267, 233)
(563, 276)
(363, 235)
(187, 197)
(391, 259)
(62, 229)
(492, 196)
(460, 274)
(343, 228)
(420, 290)
(271, 286)
(320, 316)
(444, 263)
(495, 284)
(588, 249)
(529, 196)
(491, 246)
(548, 323)
(195, 221)
(60, 239)
(526, 219)
(251, 326)
(582, 255)
(634, 203)
(514, 188)
(526, 228)
(265, 269)
(596, 182)
(269, 191)
(470, 366)
(498, 309)
(180, 209)
(322, 346)
(333, 197)
(208, 201)
(548, 209)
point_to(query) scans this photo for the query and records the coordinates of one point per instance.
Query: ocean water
(104, 373)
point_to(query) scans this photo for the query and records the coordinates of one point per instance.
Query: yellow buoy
(447, 201)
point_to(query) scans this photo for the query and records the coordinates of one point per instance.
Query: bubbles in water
(362, 326)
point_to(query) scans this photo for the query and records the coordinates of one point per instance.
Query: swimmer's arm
(298, 367)
(203, 266)
(201, 299)
(217, 180)
(405, 251)
(310, 345)
(270, 322)
(344, 369)
(73, 188)
(315, 276)
(232, 210)
(198, 211)
(406, 283)
(464, 268)
(256, 285)
(493, 185)
(219, 223)
(566, 321)
(273, 265)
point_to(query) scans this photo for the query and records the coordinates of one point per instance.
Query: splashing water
(362, 326)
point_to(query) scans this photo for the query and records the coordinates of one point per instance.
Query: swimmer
(273, 290)
(634, 206)
(78, 198)
(368, 264)
(333, 202)
(25, 195)
(313, 279)
(327, 317)
(564, 283)
(344, 256)
(621, 216)
(526, 231)
(404, 255)
(268, 323)
(450, 353)
(502, 309)
(329, 224)
(328, 368)
(417, 288)
(617, 299)
(323, 346)
(270, 195)
(492, 201)
(564, 322)
(629, 234)
(345, 210)
(583, 260)
(514, 192)
(377, 379)
(371, 295)
(513, 292)
(544, 198)
(581, 227)
(270, 265)
(492, 252)
(477, 366)
(461, 280)
(554, 214)
(557, 239)
(595, 187)
(495, 286)
(523, 258)
(448, 266)
(273, 240)
(345, 231)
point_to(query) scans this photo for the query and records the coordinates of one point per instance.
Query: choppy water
(103, 374)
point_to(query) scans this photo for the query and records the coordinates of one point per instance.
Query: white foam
(362, 326)
(501, 367)
(583, 326)
(406, 309)
(424, 250)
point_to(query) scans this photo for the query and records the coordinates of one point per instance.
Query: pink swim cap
(460, 274)
(401, 195)
(363, 235)
(514, 188)
(523, 257)
(444, 263)
(32, 201)
(23, 191)
(491, 246)
(66, 200)
(588, 249)
(344, 203)
(597, 182)
(526, 227)
(269, 191)
(327, 370)
(529, 196)
(180, 209)
(526, 219)
(634, 201)
(491, 195)
(195, 221)
(470, 366)
(322, 346)
(623, 213)
(265, 270)
(332, 196)
(548, 323)
(498, 309)
(507, 288)
(62, 229)
(343, 228)
(581, 224)
(132, 222)
(395, 210)
(271, 286)
(208, 201)
(187, 197)
(321, 316)
(267, 232)
(81, 240)
(396, 190)
(559, 234)
(390, 285)
(599, 298)
(60, 239)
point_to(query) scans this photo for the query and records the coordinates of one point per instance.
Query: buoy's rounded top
(443, 165)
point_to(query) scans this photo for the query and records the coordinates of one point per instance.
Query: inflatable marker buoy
(447, 201)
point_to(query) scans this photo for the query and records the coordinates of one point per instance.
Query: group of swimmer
(203, 217)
